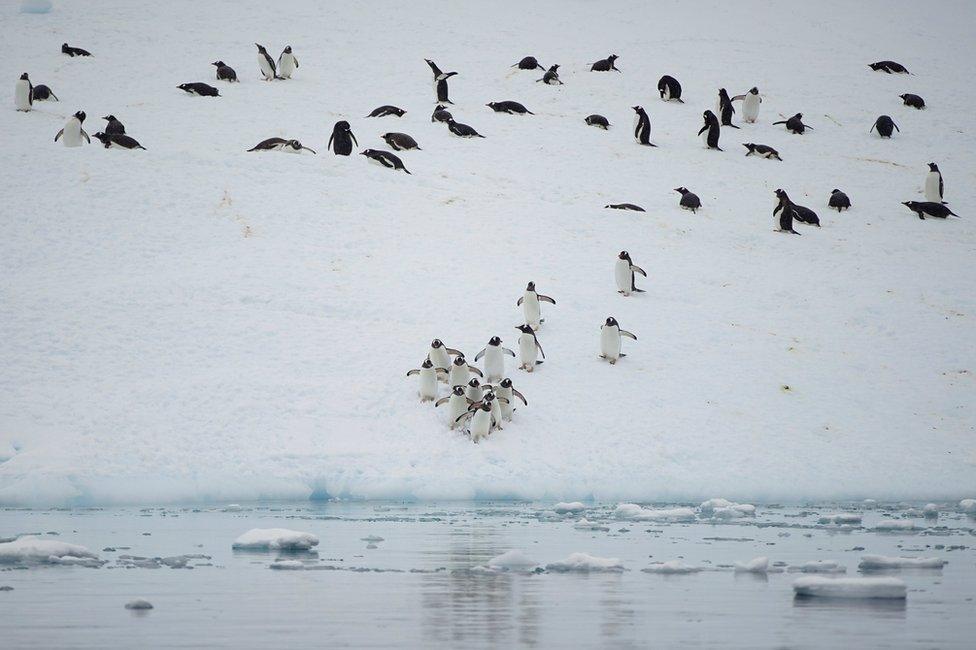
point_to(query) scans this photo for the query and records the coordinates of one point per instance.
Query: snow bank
(563, 508)
(31, 549)
(880, 562)
(634, 512)
(585, 563)
(275, 539)
(513, 560)
(895, 525)
(968, 505)
(818, 566)
(841, 518)
(756, 565)
(815, 586)
(671, 567)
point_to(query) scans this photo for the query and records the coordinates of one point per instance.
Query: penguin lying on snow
(761, 150)
(24, 93)
(839, 201)
(114, 127)
(913, 100)
(791, 211)
(929, 209)
(280, 144)
(670, 89)
(73, 51)
(462, 130)
(606, 65)
(610, 339)
(224, 71)
(384, 158)
(597, 121)
(384, 111)
(441, 114)
(625, 206)
(551, 77)
(118, 141)
(201, 89)
(510, 107)
(624, 273)
(341, 139)
(888, 66)
(43, 93)
(795, 124)
(689, 201)
(400, 141)
(884, 125)
(934, 187)
(528, 63)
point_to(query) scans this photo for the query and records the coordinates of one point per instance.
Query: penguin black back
(885, 126)
(73, 51)
(342, 139)
(528, 63)
(670, 89)
(913, 100)
(224, 71)
(711, 130)
(114, 127)
(838, 201)
(598, 121)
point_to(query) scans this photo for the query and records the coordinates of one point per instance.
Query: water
(420, 589)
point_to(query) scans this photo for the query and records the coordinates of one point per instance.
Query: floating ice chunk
(585, 524)
(895, 525)
(968, 505)
(672, 567)
(707, 507)
(275, 539)
(563, 508)
(233, 507)
(585, 563)
(841, 518)
(372, 539)
(816, 586)
(880, 562)
(818, 566)
(632, 511)
(725, 509)
(34, 549)
(287, 565)
(931, 511)
(755, 565)
(139, 603)
(513, 560)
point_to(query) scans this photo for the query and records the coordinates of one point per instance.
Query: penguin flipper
(476, 371)
(478, 356)
(510, 353)
(732, 125)
(628, 335)
(415, 371)
(738, 98)
(518, 304)
(442, 400)
(637, 269)
(520, 396)
(679, 100)
(58, 136)
(546, 299)
(85, 135)
(456, 353)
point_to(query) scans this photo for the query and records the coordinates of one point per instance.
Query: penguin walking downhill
(624, 272)
(670, 89)
(461, 371)
(551, 77)
(510, 107)
(761, 150)
(724, 108)
(387, 110)
(462, 130)
(441, 355)
(287, 63)
(528, 63)
(42, 93)
(838, 201)
(494, 355)
(342, 139)
(24, 94)
(474, 391)
(785, 208)
(457, 404)
(200, 89)
(598, 121)
(266, 64)
(929, 209)
(888, 66)
(750, 105)
(384, 158)
(710, 131)
(531, 307)
(688, 200)
(528, 345)
(114, 127)
(934, 187)
(440, 82)
(225, 72)
(610, 340)
(795, 124)
(428, 380)
(913, 100)
(642, 127)
(482, 422)
(117, 141)
(885, 126)
(73, 133)
(400, 141)
(606, 65)
(507, 392)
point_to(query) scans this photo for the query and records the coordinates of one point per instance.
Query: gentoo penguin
(24, 93)
(43, 93)
(441, 114)
(913, 100)
(786, 207)
(610, 334)
(885, 126)
(929, 209)
(400, 141)
(888, 66)
(761, 150)
(198, 88)
(386, 110)
(384, 158)
(224, 71)
(72, 133)
(482, 423)
(724, 108)
(598, 121)
(528, 344)
(441, 354)
(505, 390)
(440, 82)
(461, 371)
(839, 201)
(457, 404)
(934, 187)
(287, 63)
(689, 200)
(341, 139)
(606, 65)
(474, 391)
(750, 105)
(114, 127)
(528, 63)
(624, 272)
(73, 51)
(551, 77)
(642, 126)
(510, 107)
(799, 212)
(428, 380)
(530, 305)
(494, 354)
(493, 400)
(281, 144)
(710, 131)
(462, 130)
(670, 89)
(266, 64)
(625, 206)
(795, 124)
(117, 141)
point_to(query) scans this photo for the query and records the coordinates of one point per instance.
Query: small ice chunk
(672, 567)
(585, 563)
(372, 539)
(931, 511)
(817, 586)
(585, 524)
(275, 539)
(513, 560)
(818, 566)
(634, 512)
(233, 507)
(725, 509)
(139, 603)
(34, 549)
(968, 505)
(880, 562)
(563, 508)
(287, 565)
(841, 518)
(755, 565)
(895, 525)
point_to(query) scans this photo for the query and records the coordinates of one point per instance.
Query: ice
(968, 505)
(881, 562)
(31, 549)
(724, 509)
(585, 524)
(671, 567)
(513, 560)
(585, 563)
(373, 539)
(233, 507)
(818, 566)
(895, 525)
(632, 511)
(139, 603)
(287, 565)
(816, 586)
(274, 539)
(573, 507)
(756, 565)
(931, 511)
(841, 518)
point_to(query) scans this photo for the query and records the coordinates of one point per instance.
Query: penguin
(281, 144)
(117, 141)
(461, 371)
(341, 139)
(795, 124)
(710, 131)
(114, 127)
(798, 212)
(457, 404)
(528, 344)
(462, 130)
(528, 63)
(670, 89)
(507, 392)
(384, 158)
(688, 201)
(441, 354)
(440, 82)
(441, 114)
(512, 108)
(750, 105)
(786, 207)
(387, 110)
(913, 100)
(642, 126)
(73, 132)
(474, 391)
(625, 272)
(73, 51)
(934, 187)
(884, 125)
(625, 206)
(494, 354)
(400, 141)
(929, 209)
(24, 94)
(428, 380)
(888, 66)
(530, 303)
(43, 93)
(201, 89)
(597, 121)
(839, 201)
(605, 65)
(266, 64)
(724, 108)
(287, 63)
(482, 423)
(761, 150)
(495, 402)
(610, 338)
(551, 77)
(225, 72)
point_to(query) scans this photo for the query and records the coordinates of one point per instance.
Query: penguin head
(474, 383)
(489, 396)
(367, 152)
(110, 118)
(489, 104)
(427, 363)
(342, 125)
(219, 64)
(781, 195)
(485, 406)
(909, 204)
(459, 360)
(100, 136)
(638, 109)
(183, 86)
(681, 190)
(436, 343)
(624, 255)
(64, 47)
(612, 58)
(799, 116)
(458, 390)
(24, 76)
(261, 48)
(753, 91)
(834, 191)
(294, 144)
(494, 341)
(611, 322)
(722, 93)
(288, 49)
(933, 167)
(530, 286)
(506, 383)
(525, 329)
(80, 115)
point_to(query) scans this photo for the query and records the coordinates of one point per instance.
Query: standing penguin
(798, 212)
(689, 200)
(114, 127)
(839, 201)
(551, 77)
(750, 105)
(505, 390)
(528, 344)
(440, 82)
(795, 124)
(710, 131)
(786, 207)
(642, 126)
(341, 139)
(24, 93)
(482, 422)
(494, 354)
(624, 272)
(670, 89)
(724, 108)
(461, 371)
(428, 379)
(530, 305)
(885, 126)
(495, 402)
(610, 334)
(934, 187)
(457, 404)
(266, 63)
(287, 63)
(606, 65)
(441, 354)
(72, 133)
(474, 391)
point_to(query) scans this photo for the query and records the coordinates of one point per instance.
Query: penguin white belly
(624, 277)
(494, 363)
(532, 310)
(22, 98)
(459, 375)
(932, 187)
(527, 354)
(474, 393)
(439, 357)
(72, 133)
(480, 425)
(496, 412)
(718, 106)
(667, 92)
(286, 66)
(428, 384)
(265, 67)
(458, 406)
(610, 343)
(636, 123)
(506, 408)
(750, 108)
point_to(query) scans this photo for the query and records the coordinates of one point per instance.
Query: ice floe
(585, 563)
(968, 505)
(724, 509)
(755, 565)
(31, 549)
(513, 560)
(585, 524)
(275, 539)
(895, 525)
(672, 567)
(563, 508)
(817, 586)
(818, 566)
(841, 518)
(634, 512)
(881, 562)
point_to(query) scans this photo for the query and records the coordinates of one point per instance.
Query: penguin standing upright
(689, 200)
(341, 139)
(440, 82)
(785, 206)
(72, 133)
(482, 422)
(750, 105)
(528, 344)
(428, 380)
(287, 63)
(474, 391)
(642, 126)
(885, 126)
(934, 187)
(505, 390)
(710, 131)
(461, 371)
(441, 354)
(457, 404)
(724, 108)
(530, 305)
(24, 93)
(670, 89)
(266, 63)
(494, 354)
(610, 334)
(624, 272)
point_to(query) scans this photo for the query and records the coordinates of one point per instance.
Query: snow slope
(194, 322)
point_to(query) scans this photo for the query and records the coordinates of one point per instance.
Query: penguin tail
(679, 100)
(732, 125)
(480, 136)
(141, 147)
(529, 112)
(55, 97)
(407, 170)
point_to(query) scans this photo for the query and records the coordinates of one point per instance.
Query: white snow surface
(632, 511)
(850, 587)
(586, 563)
(881, 562)
(29, 548)
(275, 539)
(197, 323)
